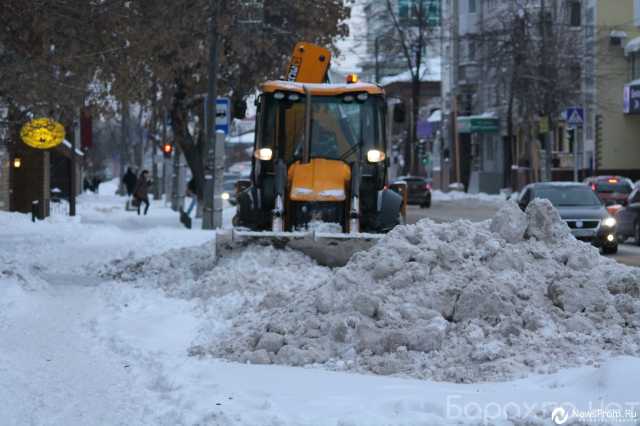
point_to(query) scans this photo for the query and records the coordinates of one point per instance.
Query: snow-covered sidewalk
(99, 325)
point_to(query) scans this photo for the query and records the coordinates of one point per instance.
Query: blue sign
(222, 114)
(575, 116)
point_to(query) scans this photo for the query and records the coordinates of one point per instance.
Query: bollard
(34, 210)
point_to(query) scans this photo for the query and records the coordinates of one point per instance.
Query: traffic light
(167, 150)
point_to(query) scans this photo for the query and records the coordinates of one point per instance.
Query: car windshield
(568, 196)
(620, 187)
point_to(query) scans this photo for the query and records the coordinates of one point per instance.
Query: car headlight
(609, 222)
(225, 196)
(264, 154)
(375, 156)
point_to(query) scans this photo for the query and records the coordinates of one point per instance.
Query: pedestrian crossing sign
(575, 116)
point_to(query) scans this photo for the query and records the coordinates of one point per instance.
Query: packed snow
(459, 302)
(112, 318)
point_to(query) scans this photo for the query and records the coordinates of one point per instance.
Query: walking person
(130, 180)
(192, 192)
(141, 193)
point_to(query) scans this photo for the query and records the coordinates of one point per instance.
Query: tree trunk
(184, 139)
(507, 145)
(124, 141)
(415, 115)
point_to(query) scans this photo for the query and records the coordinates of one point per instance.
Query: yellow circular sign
(42, 133)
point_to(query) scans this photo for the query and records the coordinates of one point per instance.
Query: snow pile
(461, 302)
(258, 277)
(438, 195)
(458, 302)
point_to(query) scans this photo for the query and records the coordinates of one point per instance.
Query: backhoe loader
(319, 171)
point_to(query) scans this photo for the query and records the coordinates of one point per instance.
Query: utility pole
(208, 221)
(377, 52)
(72, 177)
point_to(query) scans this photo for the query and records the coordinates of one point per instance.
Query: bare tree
(413, 32)
(534, 55)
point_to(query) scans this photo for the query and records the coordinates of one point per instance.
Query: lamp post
(208, 221)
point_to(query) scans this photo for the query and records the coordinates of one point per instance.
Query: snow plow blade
(328, 249)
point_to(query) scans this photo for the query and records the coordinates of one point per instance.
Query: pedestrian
(192, 191)
(141, 193)
(130, 180)
(95, 184)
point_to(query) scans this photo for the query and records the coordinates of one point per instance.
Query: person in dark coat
(141, 193)
(192, 191)
(130, 180)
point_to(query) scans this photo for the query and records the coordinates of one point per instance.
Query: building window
(575, 13)
(472, 6)
(472, 50)
(635, 66)
(429, 9)
(636, 12)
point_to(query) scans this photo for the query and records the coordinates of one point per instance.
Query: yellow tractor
(319, 173)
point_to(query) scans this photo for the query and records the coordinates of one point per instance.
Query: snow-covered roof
(245, 138)
(633, 46)
(68, 145)
(430, 71)
(435, 117)
(617, 34)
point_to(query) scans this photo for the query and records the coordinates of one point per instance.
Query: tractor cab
(323, 136)
(319, 169)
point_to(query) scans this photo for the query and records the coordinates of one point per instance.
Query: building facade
(605, 140)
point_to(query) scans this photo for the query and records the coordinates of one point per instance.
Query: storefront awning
(478, 124)
(632, 47)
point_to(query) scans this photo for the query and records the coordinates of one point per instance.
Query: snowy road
(77, 348)
(478, 210)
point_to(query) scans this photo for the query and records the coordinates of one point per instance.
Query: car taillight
(593, 187)
(427, 186)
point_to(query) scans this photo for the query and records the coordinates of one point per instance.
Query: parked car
(610, 189)
(629, 217)
(580, 209)
(418, 190)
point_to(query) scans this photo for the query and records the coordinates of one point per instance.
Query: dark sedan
(580, 209)
(418, 190)
(629, 217)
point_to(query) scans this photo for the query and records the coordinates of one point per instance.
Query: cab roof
(324, 89)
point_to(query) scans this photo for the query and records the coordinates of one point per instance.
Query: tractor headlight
(264, 154)
(375, 156)
(609, 222)
(225, 196)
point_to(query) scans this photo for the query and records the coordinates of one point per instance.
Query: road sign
(575, 116)
(223, 114)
